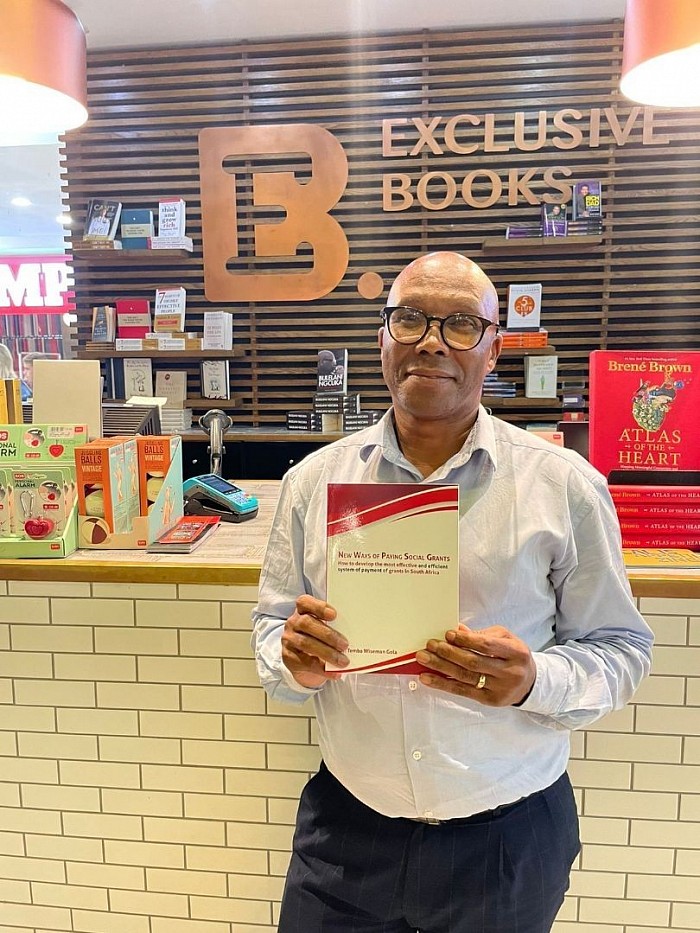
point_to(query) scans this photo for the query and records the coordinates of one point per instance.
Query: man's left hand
(493, 656)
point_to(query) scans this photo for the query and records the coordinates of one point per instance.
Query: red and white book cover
(133, 317)
(392, 570)
(644, 410)
(656, 495)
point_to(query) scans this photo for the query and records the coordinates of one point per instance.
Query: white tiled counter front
(147, 785)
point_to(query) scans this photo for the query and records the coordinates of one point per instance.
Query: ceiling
(33, 171)
(133, 23)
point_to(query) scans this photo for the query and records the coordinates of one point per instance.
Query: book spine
(674, 541)
(648, 526)
(652, 512)
(647, 494)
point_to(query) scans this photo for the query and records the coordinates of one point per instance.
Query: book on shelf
(541, 376)
(216, 379)
(169, 310)
(171, 242)
(136, 227)
(97, 246)
(304, 421)
(653, 495)
(588, 199)
(554, 219)
(101, 219)
(524, 340)
(332, 370)
(672, 510)
(171, 218)
(659, 539)
(172, 384)
(138, 377)
(644, 410)
(655, 526)
(524, 305)
(186, 535)
(523, 230)
(218, 331)
(175, 420)
(133, 317)
(103, 324)
(661, 558)
(337, 402)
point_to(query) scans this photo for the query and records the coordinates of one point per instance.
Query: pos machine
(210, 494)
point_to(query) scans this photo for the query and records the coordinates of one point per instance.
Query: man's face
(429, 380)
(584, 190)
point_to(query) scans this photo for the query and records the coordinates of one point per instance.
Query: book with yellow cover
(392, 570)
(661, 558)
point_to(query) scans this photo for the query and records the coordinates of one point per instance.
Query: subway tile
(266, 729)
(159, 591)
(693, 691)
(173, 881)
(39, 770)
(633, 804)
(69, 638)
(62, 797)
(668, 720)
(70, 848)
(102, 826)
(686, 915)
(661, 691)
(92, 612)
(179, 615)
(224, 754)
(256, 887)
(142, 802)
(106, 876)
(148, 854)
(138, 696)
(200, 780)
(8, 742)
(85, 921)
(69, 895)
(225, 807)
(282, 811)
(578, 744)
(668, 606)
(182, 725)
(140, 750)
(171, 925)
(569, 909)
(668, 629)
(690, 807)
(145, 902)
(223, 699)
(206, 858)
(663, 887)
(240, 672)
(265, 783)
(26, 610)
(563, 927)
(57, 745)
(237, 616)
(98, 721)
(53, 918)
(30, 869)
(250, 836)
(54, 588)
(605, 774)
(17, 892)
(279, 863)
(136, 641)
(613, 746)
(5, 690)
(9, 794)
(4, 636)
(607, 910)
(627, 859)
(683, 660)
(247, 595)
(101, 667)
(24, 819)
(308, 757)
(25, 664)
(100, 774)
(183, 670)
(193, 832)
(604, 831)
(54, 693)
(665, 834)
(11, 843)
(678, 778)
(688, 863)
(231, 909)
(215, 644)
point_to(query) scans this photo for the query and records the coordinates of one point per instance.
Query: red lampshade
(43, 85)
(661, 53)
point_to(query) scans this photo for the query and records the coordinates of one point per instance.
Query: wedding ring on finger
(481, 682)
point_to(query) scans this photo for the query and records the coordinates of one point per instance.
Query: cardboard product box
(102, 485)
(155, 454)
(30, 443)
(6, 502)
(11, 401)
(42, 500)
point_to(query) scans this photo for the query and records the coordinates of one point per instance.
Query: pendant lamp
(661, 53)
(43, 84)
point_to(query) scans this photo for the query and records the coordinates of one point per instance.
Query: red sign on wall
(35, 285)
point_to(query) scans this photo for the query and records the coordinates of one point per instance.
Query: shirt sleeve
(602, 647)
(281, 582)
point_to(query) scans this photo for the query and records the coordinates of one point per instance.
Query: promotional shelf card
(644, 410)
(392, 570)
(524, 304)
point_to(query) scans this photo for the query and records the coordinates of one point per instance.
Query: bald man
(442, 803)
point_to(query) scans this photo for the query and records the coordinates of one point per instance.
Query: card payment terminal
(211, 495)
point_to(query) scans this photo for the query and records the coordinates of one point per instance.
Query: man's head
(584, 190)
(430, 379)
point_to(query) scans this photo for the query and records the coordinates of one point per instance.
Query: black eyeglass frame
(387, 311)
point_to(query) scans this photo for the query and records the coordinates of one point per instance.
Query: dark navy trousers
(356, 871)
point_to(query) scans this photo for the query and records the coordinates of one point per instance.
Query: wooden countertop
(232, 557)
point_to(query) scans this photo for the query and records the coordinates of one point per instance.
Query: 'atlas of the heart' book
(392, 570)
(644, 410)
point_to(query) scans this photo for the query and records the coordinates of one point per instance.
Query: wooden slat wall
(638, 288)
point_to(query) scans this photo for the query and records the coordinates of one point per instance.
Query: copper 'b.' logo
(306, 206)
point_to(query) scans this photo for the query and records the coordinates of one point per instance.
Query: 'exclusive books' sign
(392, 570)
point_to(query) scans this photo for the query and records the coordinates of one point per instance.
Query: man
(443, 804)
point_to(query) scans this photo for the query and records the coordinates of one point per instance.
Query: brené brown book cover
(644, 410)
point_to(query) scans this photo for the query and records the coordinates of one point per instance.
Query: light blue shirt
(539, 554)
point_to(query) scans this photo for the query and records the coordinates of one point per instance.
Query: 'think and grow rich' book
(392, 570)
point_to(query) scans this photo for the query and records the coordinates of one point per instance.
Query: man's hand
(504, 661)
(308, 641)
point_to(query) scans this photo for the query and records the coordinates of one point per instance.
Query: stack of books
(514, 339)
(498, 388)
(526, 229)
(658, 516)
(175, 420)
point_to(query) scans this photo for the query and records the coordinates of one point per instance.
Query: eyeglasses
(458, 331)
